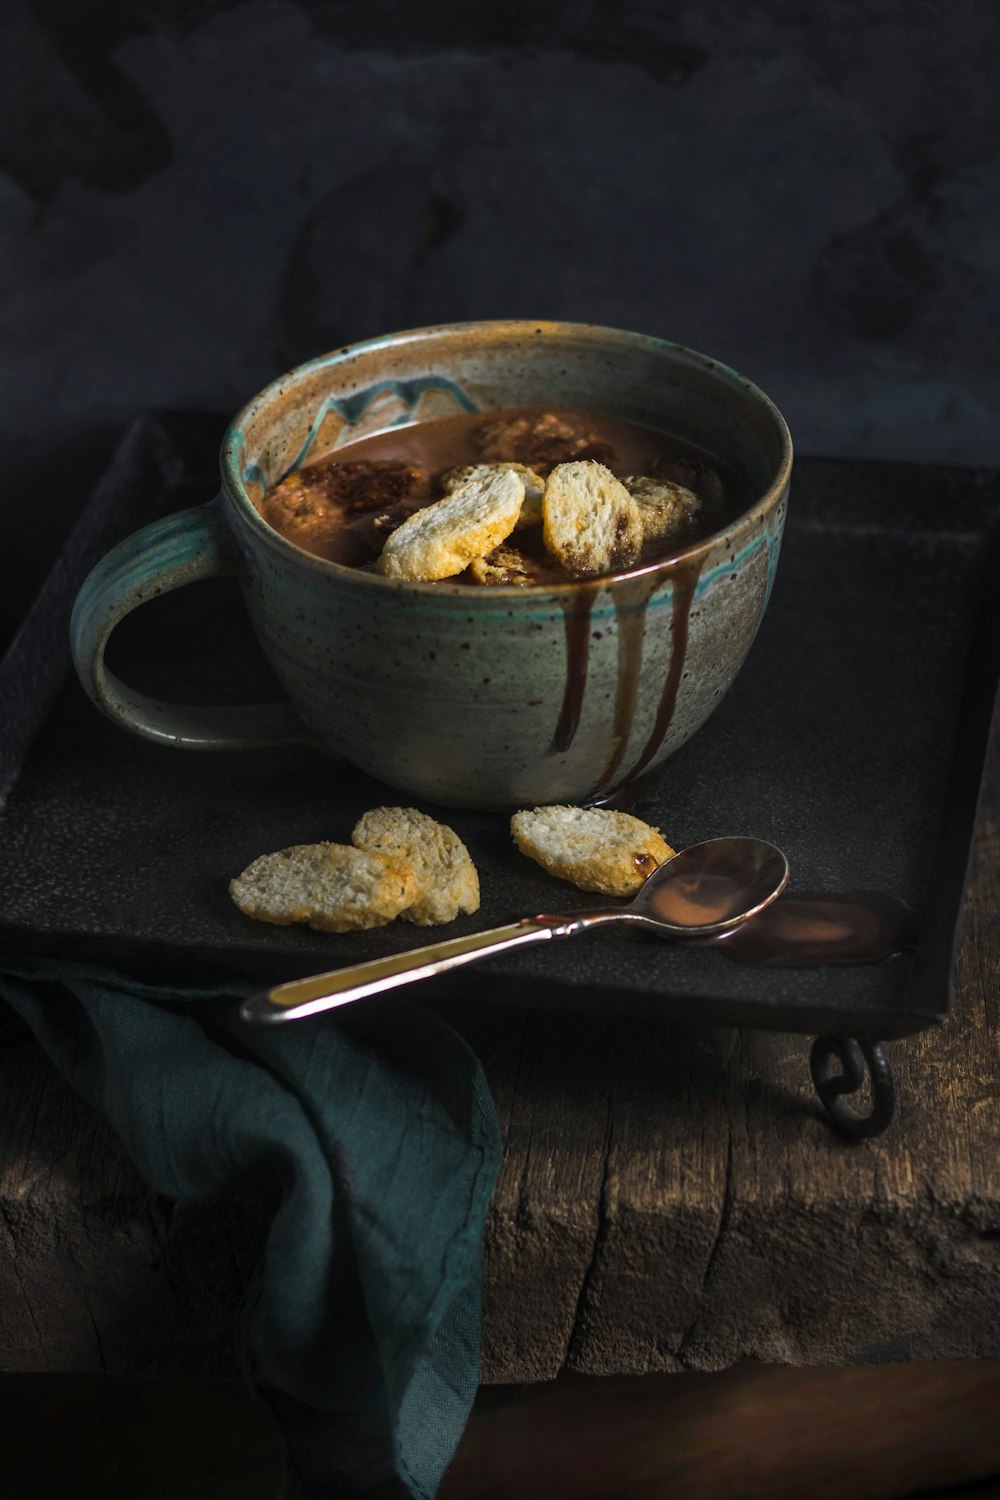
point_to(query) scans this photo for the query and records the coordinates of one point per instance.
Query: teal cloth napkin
(375, 1136)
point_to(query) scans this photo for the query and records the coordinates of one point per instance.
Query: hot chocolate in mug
(487, 697)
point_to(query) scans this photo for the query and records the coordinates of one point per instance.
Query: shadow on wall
(387, 221)
(194, 196)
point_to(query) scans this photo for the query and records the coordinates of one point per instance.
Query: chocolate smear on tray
(810, 929)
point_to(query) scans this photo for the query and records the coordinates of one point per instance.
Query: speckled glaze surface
(466, 696)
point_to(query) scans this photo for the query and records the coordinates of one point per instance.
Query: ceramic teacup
(492, 697)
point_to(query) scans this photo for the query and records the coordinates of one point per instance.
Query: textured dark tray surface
(836, 742)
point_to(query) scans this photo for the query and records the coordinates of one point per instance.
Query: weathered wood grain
(719, 1218)
(670, 1199)
(96, 1272)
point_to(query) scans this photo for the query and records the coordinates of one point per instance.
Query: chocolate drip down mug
(485, 697)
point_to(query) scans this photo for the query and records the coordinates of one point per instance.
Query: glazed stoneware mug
(493, 697)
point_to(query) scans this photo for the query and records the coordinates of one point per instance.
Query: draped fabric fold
(374, 1136)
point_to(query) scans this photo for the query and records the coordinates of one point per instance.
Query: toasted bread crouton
(331, 887)
(442, 539)
(345, 511)
(668, 510)
(329, 488)
(695, 474)
(534, 488)
(590, 521)
(541, 439)
(594, 848)
(509, 565)
(447, 880)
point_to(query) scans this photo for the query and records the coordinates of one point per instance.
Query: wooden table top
(671, 1198)
(675, 1199)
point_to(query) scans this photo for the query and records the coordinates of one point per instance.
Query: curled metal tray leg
(833, 1085)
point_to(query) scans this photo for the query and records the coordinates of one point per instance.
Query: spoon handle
(306, 997)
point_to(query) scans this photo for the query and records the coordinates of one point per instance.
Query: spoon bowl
(707, 888)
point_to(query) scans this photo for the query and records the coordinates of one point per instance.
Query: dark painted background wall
(193, 196)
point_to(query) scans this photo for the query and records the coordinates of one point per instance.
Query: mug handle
(179, 549)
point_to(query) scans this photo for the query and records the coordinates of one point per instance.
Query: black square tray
(854, 738)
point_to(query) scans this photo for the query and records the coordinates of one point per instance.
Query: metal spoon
(704, 889)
